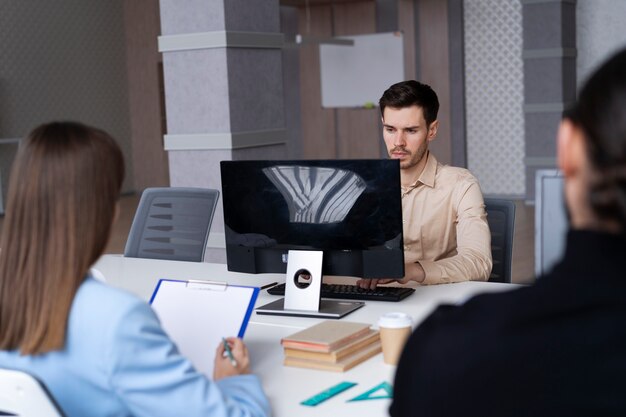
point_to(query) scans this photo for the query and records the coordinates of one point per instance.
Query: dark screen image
(350, 209)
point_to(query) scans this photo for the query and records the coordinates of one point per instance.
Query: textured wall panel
(600, 32)
(260, 18)
(255, 86)
(182, 17)
(63, 60)
(494, 89)
(196, 91)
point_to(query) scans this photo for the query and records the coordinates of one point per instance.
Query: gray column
(549, 79)
(223, 91)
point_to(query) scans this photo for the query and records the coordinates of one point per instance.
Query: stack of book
(331, 345)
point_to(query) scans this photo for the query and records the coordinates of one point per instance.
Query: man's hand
(370, 284)
(412, 272)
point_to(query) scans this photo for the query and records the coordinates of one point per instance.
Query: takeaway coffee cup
(395, 329)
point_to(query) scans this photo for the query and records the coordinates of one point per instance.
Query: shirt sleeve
(472, 261)
(151, 378)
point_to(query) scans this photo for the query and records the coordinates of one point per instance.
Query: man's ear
(432, 130)
(570, 148)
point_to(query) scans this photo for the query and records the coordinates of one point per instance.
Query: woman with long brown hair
(100, 351)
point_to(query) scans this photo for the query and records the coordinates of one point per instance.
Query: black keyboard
(352, 292)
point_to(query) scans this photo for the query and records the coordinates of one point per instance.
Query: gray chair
(8, 150)
(22, 394)
(172, 223)
(501, 218)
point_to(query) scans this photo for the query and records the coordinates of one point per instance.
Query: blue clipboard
(197, 314)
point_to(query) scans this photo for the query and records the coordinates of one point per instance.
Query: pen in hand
(229, 353)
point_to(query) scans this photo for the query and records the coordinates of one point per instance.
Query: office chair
(22, 394)
(172, 223)
(501, 219)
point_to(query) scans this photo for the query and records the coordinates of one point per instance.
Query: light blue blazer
(118, 362)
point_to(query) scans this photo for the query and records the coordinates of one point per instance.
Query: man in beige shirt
(446, 235)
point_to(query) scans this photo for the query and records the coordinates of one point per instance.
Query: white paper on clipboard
(196, 315)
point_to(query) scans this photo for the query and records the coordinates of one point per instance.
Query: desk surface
(286, 386)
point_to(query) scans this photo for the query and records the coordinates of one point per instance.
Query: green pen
(229, 353)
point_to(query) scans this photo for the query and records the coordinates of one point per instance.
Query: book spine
(311, 347)
(337, 367)
(324, 347)
(324, 366)
(333, 356)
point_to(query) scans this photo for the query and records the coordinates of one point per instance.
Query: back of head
(63, 191)
(411, 93)
(600, 112)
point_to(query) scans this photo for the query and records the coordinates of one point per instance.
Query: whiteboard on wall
(357, 75)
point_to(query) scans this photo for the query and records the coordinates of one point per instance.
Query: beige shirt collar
(427, 177)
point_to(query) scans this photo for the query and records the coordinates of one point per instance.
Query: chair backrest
(172, 223)
(501, 218)
(8, 150)
(22, 394)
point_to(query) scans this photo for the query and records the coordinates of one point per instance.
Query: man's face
(406, 134)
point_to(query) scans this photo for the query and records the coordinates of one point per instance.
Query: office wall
(64, 59)
(356, 132)
(291, 82)
(142, 27)
(600, 32)
(334, 133)
(433, 56)
(494, 94)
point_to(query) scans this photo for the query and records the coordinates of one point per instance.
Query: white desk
(287, 386)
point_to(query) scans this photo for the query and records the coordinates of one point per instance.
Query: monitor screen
(349, 209)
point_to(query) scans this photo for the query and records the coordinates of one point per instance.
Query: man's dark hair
(411, 93)
(601, 113)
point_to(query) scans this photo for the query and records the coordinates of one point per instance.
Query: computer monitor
(350, 211)
(551, 220)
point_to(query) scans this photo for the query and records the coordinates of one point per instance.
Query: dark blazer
(557, 348)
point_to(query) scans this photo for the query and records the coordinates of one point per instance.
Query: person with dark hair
(99, 350)
(557, 348)
(446, 235)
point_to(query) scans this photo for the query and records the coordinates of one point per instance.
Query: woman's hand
(224, 367)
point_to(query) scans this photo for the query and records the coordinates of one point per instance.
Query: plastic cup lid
(395, 320)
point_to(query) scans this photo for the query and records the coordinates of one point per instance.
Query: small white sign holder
(303, 284)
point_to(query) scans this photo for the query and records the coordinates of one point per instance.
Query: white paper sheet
(197, 315)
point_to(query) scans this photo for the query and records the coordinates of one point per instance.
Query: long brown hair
(63, 191)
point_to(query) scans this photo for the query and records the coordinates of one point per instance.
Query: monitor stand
(303, 284)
